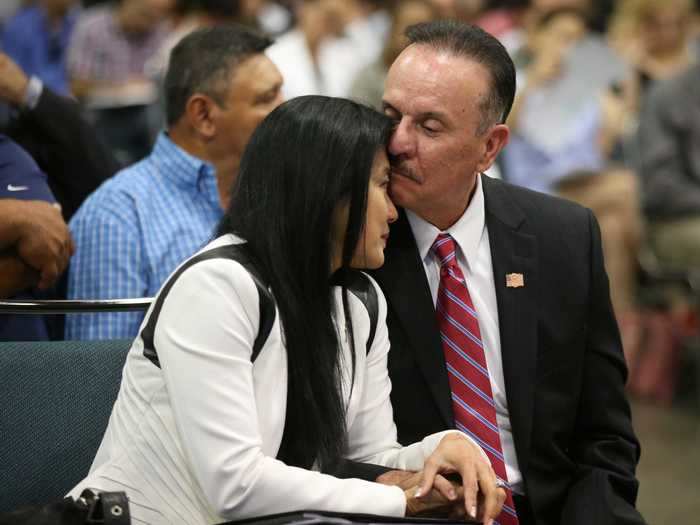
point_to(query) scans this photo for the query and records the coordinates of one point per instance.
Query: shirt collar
(466, 232)
(177, 165)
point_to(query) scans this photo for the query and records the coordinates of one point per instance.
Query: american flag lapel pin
(515, 280)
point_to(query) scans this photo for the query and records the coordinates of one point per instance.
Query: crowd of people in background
(606, 114)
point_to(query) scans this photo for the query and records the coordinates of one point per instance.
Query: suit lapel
(403, 281)
(514, 251)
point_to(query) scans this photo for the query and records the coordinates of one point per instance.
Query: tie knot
(444, 248)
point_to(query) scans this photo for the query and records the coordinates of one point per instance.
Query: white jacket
(195, 440)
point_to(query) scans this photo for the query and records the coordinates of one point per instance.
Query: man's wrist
(395, 477)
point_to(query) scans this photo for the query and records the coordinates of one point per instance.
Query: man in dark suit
(55, 133)
(522, 352)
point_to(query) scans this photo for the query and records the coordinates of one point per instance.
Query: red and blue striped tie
(472, 399)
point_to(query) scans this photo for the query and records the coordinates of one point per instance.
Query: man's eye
(267, 98)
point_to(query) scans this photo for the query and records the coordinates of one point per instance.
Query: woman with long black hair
(263, 362)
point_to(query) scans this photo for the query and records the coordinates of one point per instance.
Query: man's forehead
(255, 71)
(425, 59)
(426, 79)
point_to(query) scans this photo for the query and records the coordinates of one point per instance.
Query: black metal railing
(49, 307)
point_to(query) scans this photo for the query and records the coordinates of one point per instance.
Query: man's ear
(496, 140)
(200, 112)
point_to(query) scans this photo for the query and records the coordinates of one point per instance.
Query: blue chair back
(55, 401)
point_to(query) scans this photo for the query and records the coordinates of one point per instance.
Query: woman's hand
(457, 454)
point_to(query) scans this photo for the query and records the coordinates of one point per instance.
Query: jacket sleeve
(205, 336)
(606, 450)
(66, 147)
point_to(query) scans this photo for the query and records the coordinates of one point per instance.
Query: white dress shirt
(474, 257)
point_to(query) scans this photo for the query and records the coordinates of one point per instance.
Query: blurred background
(607, 114)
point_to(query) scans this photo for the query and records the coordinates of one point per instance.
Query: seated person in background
(557, 91)
(107, 58)
(565, 126)
(657, 41)
(331, 42)
(34, 241)
(669, 166)
(37, 37)
(138, 226)
(206, 429)
(55, 133)
(188, 16)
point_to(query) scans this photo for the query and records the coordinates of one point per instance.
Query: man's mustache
(400, 168)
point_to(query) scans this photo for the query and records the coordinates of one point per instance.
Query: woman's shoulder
(366, 300)
(220, 268)
(360, 285)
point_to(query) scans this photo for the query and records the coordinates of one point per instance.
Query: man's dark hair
(285, 205)
(475, 44)
(204, 61)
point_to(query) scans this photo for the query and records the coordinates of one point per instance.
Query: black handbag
(104, 508)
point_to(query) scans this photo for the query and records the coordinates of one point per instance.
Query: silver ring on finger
(502, 484)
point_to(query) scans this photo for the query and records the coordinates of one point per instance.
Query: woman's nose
(392, 212)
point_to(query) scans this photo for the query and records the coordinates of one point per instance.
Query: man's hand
(41, 237)
(456, 454)
(13, 81)
(433, 504)
(400, 478)
(444, 500)
(407, 479)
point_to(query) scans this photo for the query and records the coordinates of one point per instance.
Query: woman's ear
(200, 112)
(495, 140)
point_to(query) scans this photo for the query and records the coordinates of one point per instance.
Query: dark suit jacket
(562, 360)
(66, 147)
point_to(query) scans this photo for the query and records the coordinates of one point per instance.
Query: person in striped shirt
(138, 226)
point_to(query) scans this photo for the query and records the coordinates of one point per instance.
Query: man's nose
(402, 140)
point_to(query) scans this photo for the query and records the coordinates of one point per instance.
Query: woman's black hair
(309, 157)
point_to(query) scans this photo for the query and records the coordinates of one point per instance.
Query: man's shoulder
(534, 205)
(13, 155)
